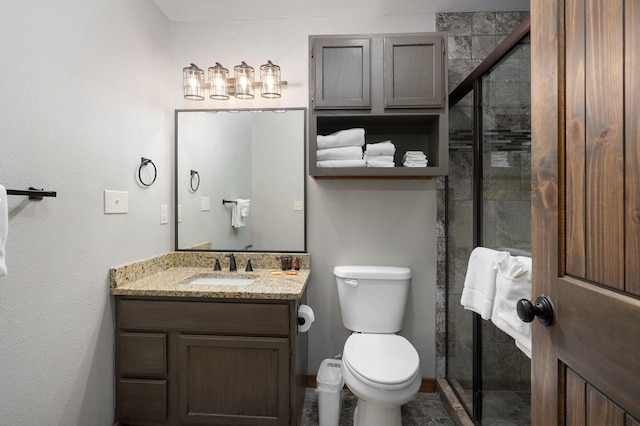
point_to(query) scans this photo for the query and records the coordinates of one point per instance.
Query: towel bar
(229, 201)
(33, 193)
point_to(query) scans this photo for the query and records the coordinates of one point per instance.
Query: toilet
(380, 367)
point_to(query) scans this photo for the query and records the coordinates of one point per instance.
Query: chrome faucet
(232, 262)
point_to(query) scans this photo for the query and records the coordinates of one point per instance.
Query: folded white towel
(480, 282)
(414, 157)
(513, 282)
(341, 163)
(348, 137)
(342, 153)
(414, 164)
(240, 212)
(388, 158)
(4, 228)
(380, 148)
(380, 164)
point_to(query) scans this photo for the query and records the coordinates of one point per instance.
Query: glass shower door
(506, 224)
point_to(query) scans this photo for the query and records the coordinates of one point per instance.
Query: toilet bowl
(383, 372)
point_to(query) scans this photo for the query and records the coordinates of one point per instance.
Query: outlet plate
(116, 202)
(179, 213)
(298, 205)
(164, 214)
(205, 204)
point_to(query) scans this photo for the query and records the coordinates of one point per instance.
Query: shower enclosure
(488, 193)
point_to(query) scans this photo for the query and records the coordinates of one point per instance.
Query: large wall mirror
(223, 156)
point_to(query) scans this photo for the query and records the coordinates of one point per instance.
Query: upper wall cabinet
(391, 85)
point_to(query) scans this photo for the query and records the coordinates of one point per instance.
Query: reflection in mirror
(251, 155)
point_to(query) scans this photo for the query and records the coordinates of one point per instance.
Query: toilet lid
(387, 359)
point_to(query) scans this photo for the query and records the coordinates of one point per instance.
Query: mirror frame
(304, 175)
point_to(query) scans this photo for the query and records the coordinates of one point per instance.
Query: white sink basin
(220, 281)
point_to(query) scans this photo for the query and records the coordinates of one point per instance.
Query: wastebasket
(329, 388)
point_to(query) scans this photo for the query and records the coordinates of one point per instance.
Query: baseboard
(428, 383)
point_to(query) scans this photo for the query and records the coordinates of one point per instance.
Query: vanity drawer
(142, 401)
(210, 317)
(142, 354)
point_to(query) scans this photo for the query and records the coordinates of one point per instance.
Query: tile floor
(425, 409)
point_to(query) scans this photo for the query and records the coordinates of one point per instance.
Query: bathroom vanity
(211, 354)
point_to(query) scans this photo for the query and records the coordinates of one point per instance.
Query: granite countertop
(168, 276)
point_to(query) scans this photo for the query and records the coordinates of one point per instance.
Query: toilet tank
(373, 299)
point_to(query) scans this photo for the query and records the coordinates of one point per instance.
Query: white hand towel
(342, 153)
(380, 148)
(480, 282)
(341, 163)
(513, 282)
(4, 228)
(348, 137)
(240, 212)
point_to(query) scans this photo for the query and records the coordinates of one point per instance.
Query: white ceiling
(214, 10)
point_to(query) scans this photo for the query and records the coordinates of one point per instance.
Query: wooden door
(586, 210)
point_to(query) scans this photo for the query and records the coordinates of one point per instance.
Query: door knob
(543, 309)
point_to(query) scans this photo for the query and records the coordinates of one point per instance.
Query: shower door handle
(543, 309)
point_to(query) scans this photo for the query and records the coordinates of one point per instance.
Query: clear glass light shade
(270, 79)
(193, 83)
(244, 81)
(218, 76)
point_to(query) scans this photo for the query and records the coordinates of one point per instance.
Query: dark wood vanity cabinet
(208, 362)
(392, 85)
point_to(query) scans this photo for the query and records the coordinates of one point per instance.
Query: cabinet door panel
(234, 380)
(342, 73)
(141, 401)
(142, 354)
(413, 71)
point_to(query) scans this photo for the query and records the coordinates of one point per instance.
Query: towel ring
(194, 173)
(143, 163)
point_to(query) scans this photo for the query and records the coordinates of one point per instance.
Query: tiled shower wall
(471, 37)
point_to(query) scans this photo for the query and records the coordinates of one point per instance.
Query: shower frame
(473, 82)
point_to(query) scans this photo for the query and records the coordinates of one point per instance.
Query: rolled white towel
(380, 148)
(347, 137)
(341, 153)
(341, 163)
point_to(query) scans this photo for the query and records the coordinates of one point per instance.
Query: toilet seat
(384, 361)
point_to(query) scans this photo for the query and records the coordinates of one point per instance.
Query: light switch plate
(204, 204)
(116, 202)
(298, 205)
(179, 213)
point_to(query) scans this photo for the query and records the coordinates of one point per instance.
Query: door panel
(586, 211)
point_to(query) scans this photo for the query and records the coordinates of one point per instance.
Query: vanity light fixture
(241, 85)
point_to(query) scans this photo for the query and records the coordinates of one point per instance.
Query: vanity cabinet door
(342, 73)
(229, 380)
(413, 71)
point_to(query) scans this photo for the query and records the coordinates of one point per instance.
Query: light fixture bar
(241, 85)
